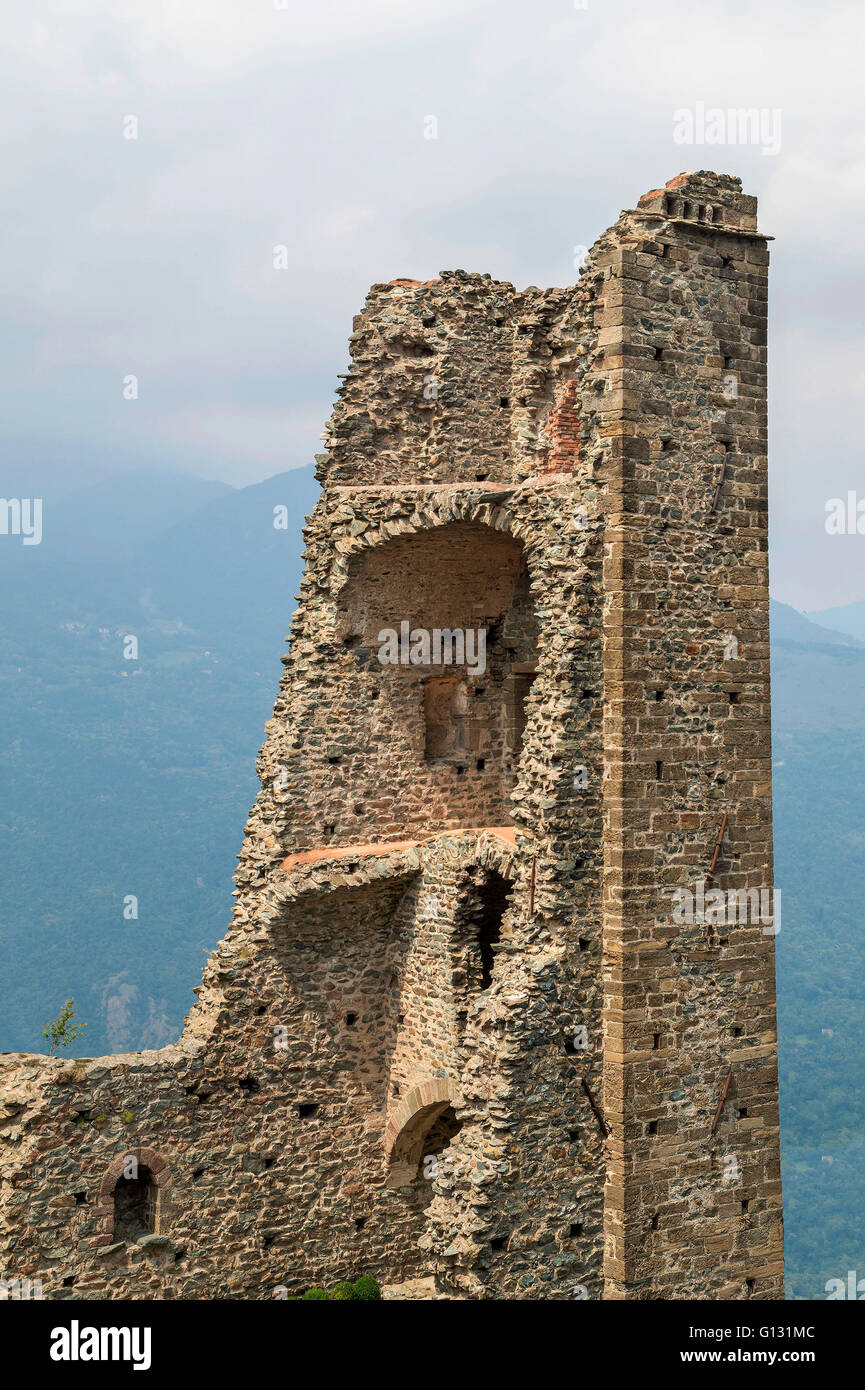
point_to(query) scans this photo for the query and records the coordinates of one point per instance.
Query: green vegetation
(343, 1290)
(61, 1031)
(364, 1290)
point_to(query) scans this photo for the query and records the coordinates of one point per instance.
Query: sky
(268, 123)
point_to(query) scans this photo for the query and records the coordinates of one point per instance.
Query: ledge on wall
(382, 848)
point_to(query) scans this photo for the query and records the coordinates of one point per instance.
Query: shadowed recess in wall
(443, 622)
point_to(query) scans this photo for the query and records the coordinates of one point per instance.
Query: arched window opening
(414, 1159)
(438, 1138)
(135, 1206)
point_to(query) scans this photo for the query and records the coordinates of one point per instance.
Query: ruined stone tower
(461, 1023)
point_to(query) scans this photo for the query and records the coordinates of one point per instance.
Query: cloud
(304, 127)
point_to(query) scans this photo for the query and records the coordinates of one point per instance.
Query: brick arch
(450, 543)
(434, 515)
(410, 1123)
(161, 1174)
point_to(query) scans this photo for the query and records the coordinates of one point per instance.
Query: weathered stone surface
(454, 1028)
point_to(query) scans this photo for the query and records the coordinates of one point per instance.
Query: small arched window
(419, 1131)
(134, 1196)
(135, 1205)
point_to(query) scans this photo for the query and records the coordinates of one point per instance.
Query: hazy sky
(304, 126)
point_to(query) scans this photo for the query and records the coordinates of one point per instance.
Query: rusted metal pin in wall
(599, 1116)
(718, 843)
(532, 890)
(724, 1091)
(719, 483)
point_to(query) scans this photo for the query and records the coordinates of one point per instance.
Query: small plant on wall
(363, 1290)
(61, 1031)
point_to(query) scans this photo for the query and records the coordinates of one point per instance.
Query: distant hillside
(849, 619)
(110, 519)
(818, 677)
(791, 627)
(227, 572)
(122, 778)
(818, 698)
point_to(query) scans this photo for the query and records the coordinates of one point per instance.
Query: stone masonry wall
(571, 471)
(687, 741)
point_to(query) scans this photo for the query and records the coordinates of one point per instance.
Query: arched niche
(442, 621)
(422, 1127)
(133, 1196)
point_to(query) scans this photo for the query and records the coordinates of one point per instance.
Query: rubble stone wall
(455, 1026)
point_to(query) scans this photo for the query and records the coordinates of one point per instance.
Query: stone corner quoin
(458, 1026)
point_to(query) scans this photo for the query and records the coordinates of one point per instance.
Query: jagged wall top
(714, 200)
(465, 379)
